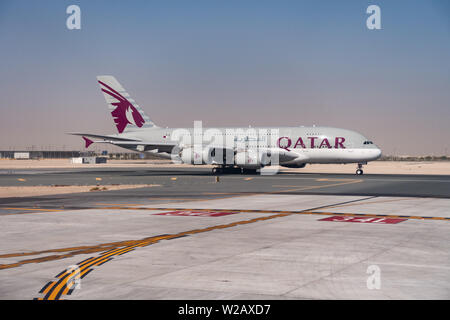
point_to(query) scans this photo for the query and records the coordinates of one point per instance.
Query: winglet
(88, 142)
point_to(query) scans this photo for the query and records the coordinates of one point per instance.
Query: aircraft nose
(377, 153)
(373, 154)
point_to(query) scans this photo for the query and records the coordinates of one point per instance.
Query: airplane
(249, 150)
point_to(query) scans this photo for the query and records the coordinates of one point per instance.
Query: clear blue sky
(229, 63)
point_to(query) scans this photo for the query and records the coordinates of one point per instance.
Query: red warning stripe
(364, 219)
(196, 213)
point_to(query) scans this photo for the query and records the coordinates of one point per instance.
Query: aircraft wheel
(359, 172)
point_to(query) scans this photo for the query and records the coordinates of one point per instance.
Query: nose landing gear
(359, 171)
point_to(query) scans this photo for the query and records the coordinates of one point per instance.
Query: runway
(289, 236)
(175, 180)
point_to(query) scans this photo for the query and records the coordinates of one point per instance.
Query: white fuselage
(249, 148)
(295, 145)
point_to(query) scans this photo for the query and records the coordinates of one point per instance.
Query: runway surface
(289, 236)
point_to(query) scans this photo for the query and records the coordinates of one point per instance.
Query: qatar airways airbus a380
(229, 149)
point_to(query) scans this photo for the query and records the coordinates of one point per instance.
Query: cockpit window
(368, 142)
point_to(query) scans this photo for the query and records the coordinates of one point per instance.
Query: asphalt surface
(192, 181)
(189, 236)
(183, 184)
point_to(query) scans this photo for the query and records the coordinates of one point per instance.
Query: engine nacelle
(294, 165)
(198, 156)
(194, 156)
(248, 159)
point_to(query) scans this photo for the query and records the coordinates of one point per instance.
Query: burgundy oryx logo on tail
(124, 113)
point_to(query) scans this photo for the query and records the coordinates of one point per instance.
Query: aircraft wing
(98, 136)
(129, 143)
(143, 145)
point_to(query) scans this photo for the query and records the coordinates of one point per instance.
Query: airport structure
(38, 154)
(62, 154)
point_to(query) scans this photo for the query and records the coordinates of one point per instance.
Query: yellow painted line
(75, 250)
(187, 199)
(295, 188)
(184, 199)
(329, 179)
(21, 179)
(215, 209)
(301, 188)
(69, 285)
(98, 179)
(248, 179)
(287, 186)
(361, 203)
(82, 270)
(438, 218)
(319, 187)
(110, 246)
(61, 284)
(174, 178)
(118, 204)
(227, 193)
(113, 252)
(49, 287)
(278, 212)
(147, 241)
(378, 215)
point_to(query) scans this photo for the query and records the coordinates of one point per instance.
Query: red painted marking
(195, 213)
(364, 219)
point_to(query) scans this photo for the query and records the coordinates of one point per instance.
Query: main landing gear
(217, 170)
(223, 169)
(359, 171)
(220, 170)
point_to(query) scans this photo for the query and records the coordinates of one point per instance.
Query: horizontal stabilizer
(132, 144)
(88, 142)
(145, 146)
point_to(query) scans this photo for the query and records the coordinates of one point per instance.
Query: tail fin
(127, 115)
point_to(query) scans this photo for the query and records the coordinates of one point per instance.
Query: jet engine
(294, 165)
(194, 156)
(209, 155)
(248, 159)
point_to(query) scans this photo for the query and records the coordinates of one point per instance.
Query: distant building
(59, 154)
(40, 154)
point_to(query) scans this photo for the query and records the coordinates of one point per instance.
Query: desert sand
(30, 191)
